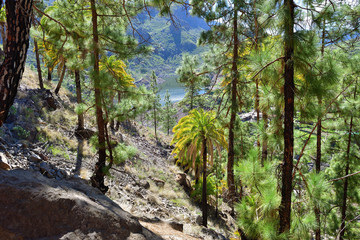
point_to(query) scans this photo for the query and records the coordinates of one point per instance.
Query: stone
(4, 163)
(176, 226)
(144, 184)
(44, 167)
(35, 158)
(158, 182)
(65, 209)
(198, 220)
(184, 181)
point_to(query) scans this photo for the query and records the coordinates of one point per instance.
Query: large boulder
(184, 181)
(36, 207)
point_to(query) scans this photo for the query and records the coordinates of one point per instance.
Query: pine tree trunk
(155, 120)
(204, 200)
(287, 166)
(231, 153)
(97, 179)
(38, 65)
(79, 99)
(257, 109)
(117, 122)
(264, 144)
(57, 89)
(49, 74)
(347, 168)
(192, 90)
(18, 14)
(346, 180)
(318, 143)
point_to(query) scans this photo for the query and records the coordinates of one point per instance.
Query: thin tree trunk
(118, 122)
(57, 89)
(318, 144)
(97, 179)
(287, 166)
(79, 99)
(346, 181)
(18, 17)
(38, 65)
(49, 74)
(192, 90)
(204, 200)
(231, 153)
(155, 120)
(264, 144)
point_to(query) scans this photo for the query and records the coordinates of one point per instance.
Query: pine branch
(263, 68)
(312, 131)
(340, 178)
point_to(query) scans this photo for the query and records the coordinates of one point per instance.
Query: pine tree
(18, 17)
(190, 77)
(169, 113)
(155, 102)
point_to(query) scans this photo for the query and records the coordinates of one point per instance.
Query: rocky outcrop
(36, 207)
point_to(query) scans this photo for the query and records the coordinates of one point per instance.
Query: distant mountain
(170, 40)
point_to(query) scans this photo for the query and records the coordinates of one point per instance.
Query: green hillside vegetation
(170, 40)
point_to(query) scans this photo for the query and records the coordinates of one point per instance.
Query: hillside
(170, 40)
(38, 137)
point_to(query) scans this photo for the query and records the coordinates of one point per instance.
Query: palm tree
(198, 134)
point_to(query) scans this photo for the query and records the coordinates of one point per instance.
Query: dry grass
(30, 79)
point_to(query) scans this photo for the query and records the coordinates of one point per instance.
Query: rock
(65, 209)
(158, 182)
(35, 158)
(84, 133)
(144, 184)
(52, 103)
(44, 167)
(4, 163)
(198, 220)
(136, 236)
(176, 226)
(213, 234)
(184, 181)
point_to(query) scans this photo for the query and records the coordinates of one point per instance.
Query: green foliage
(191, 130)
(210, 188)
(21, 132)
(123, 152)
(168, 117)
(258, 214)
(190, 78)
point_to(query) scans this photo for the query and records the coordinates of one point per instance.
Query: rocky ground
(39, 137)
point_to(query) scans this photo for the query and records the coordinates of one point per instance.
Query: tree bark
(18, 14)
(231, 153)
(38, 65)
(318, 143)
(79, 99)
(264, 143)
(58, 86)
(287, 166)
(346, 181)
(204, 199)
(49, 74)
(97, 179)
(155, 119)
